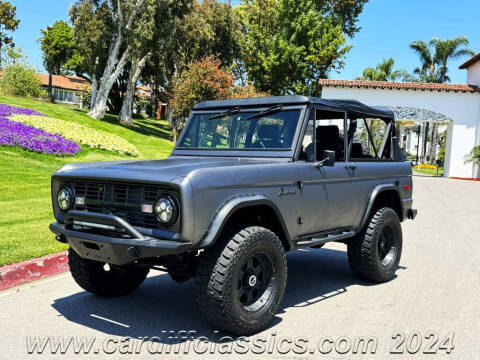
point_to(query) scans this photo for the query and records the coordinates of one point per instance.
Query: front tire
(241, 280)
(104, 279)
(375, 253)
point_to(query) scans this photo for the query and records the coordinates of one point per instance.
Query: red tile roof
(65, 82)
(399, 85)
(470, 62)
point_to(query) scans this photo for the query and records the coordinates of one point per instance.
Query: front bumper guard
(111, 249)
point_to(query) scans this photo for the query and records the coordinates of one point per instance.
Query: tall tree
(383, 72)
(434, 58)
(57, 45)
(290, 44)
(449, 49)
(139, 42)
(435, 55)
(151, 36)
(92, 31)
(124, 14)
(210, 28)
(8, 22)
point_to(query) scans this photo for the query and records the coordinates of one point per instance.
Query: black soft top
(352, 106)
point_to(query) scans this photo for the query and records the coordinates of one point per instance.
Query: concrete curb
(31, 270)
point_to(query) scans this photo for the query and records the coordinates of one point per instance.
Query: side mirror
(328, 159)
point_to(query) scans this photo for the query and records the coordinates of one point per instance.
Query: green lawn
(429, 171)
(25, 178)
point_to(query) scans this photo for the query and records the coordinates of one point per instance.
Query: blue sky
(388, 26)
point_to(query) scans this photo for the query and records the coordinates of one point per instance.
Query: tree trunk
(110, 75)
(93, 94)
(50, 87)
(173, 123)
(114, 65)
(154, 101)
(127, 106)
(433, 144)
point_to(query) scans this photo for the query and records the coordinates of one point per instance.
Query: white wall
(473, 74)
(462, 108)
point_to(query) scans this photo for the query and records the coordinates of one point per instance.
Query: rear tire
(108, 281)
(375, 253)
(241, 280)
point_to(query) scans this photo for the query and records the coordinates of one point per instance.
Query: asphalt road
(436, 293)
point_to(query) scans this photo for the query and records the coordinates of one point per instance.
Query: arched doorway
(424, 134)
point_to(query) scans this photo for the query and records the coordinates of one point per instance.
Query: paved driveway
(436, 293)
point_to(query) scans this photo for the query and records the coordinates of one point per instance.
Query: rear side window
(369, 139)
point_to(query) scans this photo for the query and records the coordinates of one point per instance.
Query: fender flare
(225, 211)
(373, 196)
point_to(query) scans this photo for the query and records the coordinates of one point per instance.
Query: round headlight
(65, 198)
(166, 209)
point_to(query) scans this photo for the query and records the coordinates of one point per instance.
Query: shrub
(81, 134)
(27, 137)
(247, 91)
(474, 156)
(20, 80)
(203, 80)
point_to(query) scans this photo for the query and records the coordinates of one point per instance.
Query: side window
(306, 151)
(327, 128)
(369, 139)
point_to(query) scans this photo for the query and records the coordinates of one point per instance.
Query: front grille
(121, 199)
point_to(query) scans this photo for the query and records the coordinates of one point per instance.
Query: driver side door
(327, 191)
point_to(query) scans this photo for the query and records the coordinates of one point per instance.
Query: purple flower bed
(7, 110)
(17, 134)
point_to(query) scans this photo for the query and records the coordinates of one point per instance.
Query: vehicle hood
(151, 170)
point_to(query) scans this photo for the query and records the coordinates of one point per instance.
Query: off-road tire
(92, 276)
(218, 280)
(364, 254)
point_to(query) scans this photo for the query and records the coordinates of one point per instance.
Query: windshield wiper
(268, 111)
(226, 113)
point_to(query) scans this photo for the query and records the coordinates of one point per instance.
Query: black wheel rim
(387, 249)
(256, 282)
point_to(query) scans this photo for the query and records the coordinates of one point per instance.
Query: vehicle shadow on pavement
(160, 304)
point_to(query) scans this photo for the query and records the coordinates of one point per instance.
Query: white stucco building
(457, 106)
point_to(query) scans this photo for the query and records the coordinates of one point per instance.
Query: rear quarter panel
(369, 175)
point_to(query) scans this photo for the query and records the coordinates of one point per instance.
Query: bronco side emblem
(285, 192)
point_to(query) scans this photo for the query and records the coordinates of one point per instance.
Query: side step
(317, 240)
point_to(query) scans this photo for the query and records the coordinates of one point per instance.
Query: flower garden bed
(27, 137)
(31, 130)
(81, 134)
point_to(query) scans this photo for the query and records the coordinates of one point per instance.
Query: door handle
(350, 167)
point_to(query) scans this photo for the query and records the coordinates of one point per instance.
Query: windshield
(241, 131)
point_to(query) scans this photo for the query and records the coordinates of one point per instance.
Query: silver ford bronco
(248, 181)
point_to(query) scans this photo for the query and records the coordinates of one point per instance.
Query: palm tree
(383, 72)
(435, 55)
(434, 58)
(449, 49)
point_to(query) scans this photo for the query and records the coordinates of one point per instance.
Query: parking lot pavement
(436, 292)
